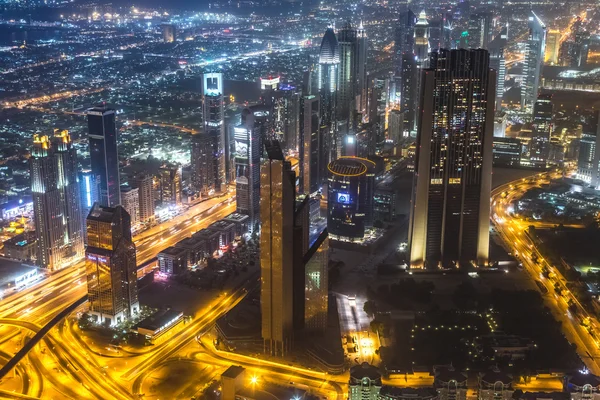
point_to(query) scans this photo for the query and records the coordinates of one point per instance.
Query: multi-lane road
(513, 232)
(37, 304)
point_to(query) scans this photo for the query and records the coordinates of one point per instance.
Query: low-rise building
(158, 323)
(172, 260)
(240, 221)
(407, 393)
(195, 250)
(582, 385)
(21, 247)
(226, 232)
(211, 239)
(507, 152)
(365, 382)
(450, 383)
(494, 385)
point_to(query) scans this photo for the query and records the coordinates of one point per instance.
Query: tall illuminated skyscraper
(552, 47)
(89, 190)
(450, 208)
(542, 126)
(480, 30)
(111, 265)
(534, 58)
(329, 61)
(348, 73)
(56, 201)
(361, 69)
(421, 58)
(277, 202)
(104, 157)
(316, 262)
(247, 168)
(143, 183)
(211, 151)
(498, 63)
(310, 145)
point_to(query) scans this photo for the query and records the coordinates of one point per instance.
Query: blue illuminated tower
(104, 157)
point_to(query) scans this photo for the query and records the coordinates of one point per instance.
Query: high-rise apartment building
(405, 75)
(552, 47)
(481, 29)
(421, 58)
(56, 201)
(143, 183)
(361, 70)
(534, 58)
(288, 113)
(348, 74)
(130, 199)
(208, 152)
(450, 208)
(104, 158)
(588, 159)
(277, 197)
(89, 190)
(498, 63)
(111, 265)
(329, 61)
(310, 145)
(542, 127)
(170, 184)
(247, 169)
(316, 284)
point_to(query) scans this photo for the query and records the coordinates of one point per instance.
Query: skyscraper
(552, 47)
(203, 164)
(450, 204)
(361, 70)
(104, 157)
(277, 197)
(404, 38)
(130, 197)
(143, 183)
(329, 61)
(588, 159)
(289, 113)
(316, 262)
(111, 265)
(534, 57)
(405, 67)
(310, 145)
(421, 58)
(542, 125)
(481, 29)
(348, 74)
(214, 130)
(497, 63)
(56, 201)
(247, 168)
(170, 184)
(89, 190)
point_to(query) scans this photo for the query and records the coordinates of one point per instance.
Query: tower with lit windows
(534, 58)
(277, 203)
(450, 208)
(110, 265)
(56, 201)
(328, 70)
(104, 158)
(208, 148)
(247, 168)
(542, 129)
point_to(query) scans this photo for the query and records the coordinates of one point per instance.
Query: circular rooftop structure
(350, 166)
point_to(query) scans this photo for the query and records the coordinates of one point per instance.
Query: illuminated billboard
(343, 198)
